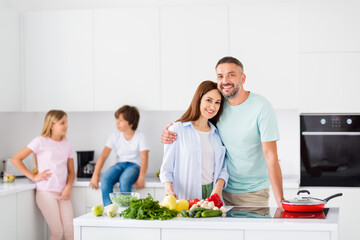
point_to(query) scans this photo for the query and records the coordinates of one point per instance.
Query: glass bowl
(123, 199)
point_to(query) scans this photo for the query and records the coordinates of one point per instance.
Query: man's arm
(168, 137)
(274, 170)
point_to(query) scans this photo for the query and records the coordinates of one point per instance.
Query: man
(248, 129)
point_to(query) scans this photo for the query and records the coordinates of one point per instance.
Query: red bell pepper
(192, 202)
(216, 199)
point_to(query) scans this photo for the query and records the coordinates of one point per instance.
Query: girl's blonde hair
(52, 117)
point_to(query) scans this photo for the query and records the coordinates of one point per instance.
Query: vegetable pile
(147, 209)
(209, 207)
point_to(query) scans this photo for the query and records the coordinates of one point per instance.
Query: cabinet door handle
(330, 133)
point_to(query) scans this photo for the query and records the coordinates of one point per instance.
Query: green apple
(97, 210)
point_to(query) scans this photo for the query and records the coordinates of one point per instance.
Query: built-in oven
(330, 149)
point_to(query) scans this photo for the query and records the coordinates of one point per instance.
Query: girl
(56, 174)
(131, 152)
(194, 166)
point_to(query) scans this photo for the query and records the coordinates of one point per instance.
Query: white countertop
(328, 224)
(19, 185)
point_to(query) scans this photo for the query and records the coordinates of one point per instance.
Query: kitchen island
(90, 227)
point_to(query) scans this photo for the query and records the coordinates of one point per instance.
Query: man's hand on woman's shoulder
(168, 137)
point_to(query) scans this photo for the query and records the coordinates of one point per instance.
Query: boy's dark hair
(229, 59)
(130, 114)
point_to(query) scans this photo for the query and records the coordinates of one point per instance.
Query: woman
(194, 165)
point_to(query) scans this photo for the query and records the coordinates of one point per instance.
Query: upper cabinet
(126, 57)
(58, 60)
(263, 36)
(193, 39)
(329, 82)
(10, 77)
(329, 36)
(329, 26)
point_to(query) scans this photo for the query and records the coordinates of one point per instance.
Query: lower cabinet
(78, 196)
(96, 233)
(90, 233)
(8, 217)
(29, 219)
(286, 235)
(20, 218)
(208, 234)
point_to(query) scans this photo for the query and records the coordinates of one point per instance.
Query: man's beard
(232, 94)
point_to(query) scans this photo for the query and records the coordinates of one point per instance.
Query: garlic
(211, 205)
(223, 209)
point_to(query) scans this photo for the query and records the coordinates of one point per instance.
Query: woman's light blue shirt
(182, 161)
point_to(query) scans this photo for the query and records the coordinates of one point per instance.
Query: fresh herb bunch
(123, 200)
(147, 209)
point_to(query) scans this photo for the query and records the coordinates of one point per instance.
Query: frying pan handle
(333, 196)
(303, 191)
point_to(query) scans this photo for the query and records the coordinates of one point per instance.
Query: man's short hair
(229, 59)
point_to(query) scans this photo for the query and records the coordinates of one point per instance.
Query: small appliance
(85, 166)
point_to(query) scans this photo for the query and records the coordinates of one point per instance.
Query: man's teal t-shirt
(242, 129)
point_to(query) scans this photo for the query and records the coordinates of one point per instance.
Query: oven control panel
(330, 122)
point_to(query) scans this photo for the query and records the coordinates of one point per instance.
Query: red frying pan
(306, 203)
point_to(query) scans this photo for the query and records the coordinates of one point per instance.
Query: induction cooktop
(272, 212)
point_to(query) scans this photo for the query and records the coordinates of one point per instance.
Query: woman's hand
(44, 175)
(218, 192)
(169, 190)
(172, 193)
(66, 193)
(94, 181)
(218, 187)
(140, 183)
(168, 137)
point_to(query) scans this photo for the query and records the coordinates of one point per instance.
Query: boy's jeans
(126, 173)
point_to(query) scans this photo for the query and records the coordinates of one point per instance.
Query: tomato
(192, 202)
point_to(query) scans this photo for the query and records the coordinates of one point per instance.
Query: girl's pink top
(52, 155)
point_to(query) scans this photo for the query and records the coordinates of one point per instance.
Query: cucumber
(192, 213)
(184, 213)
(198, 214)
(211, 213)
(199, 209)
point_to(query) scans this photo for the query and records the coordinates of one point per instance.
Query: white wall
(90, 130)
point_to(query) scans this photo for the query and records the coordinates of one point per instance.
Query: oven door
(330, 159)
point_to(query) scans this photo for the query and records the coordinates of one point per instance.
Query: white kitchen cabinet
(96, 233)
(193, 39)
(209, 234)
(349, 208)
(78, 196)
(8, 217)
(286, 235)
(93, 197)
(263, 36)
(329, 82)
(29, 219)
(159, 193)
(144, 192)
(329, 26)
(126, 52)
(58, 56)
(10, 78)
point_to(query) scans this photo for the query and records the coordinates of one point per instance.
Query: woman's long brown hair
(193, 112)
